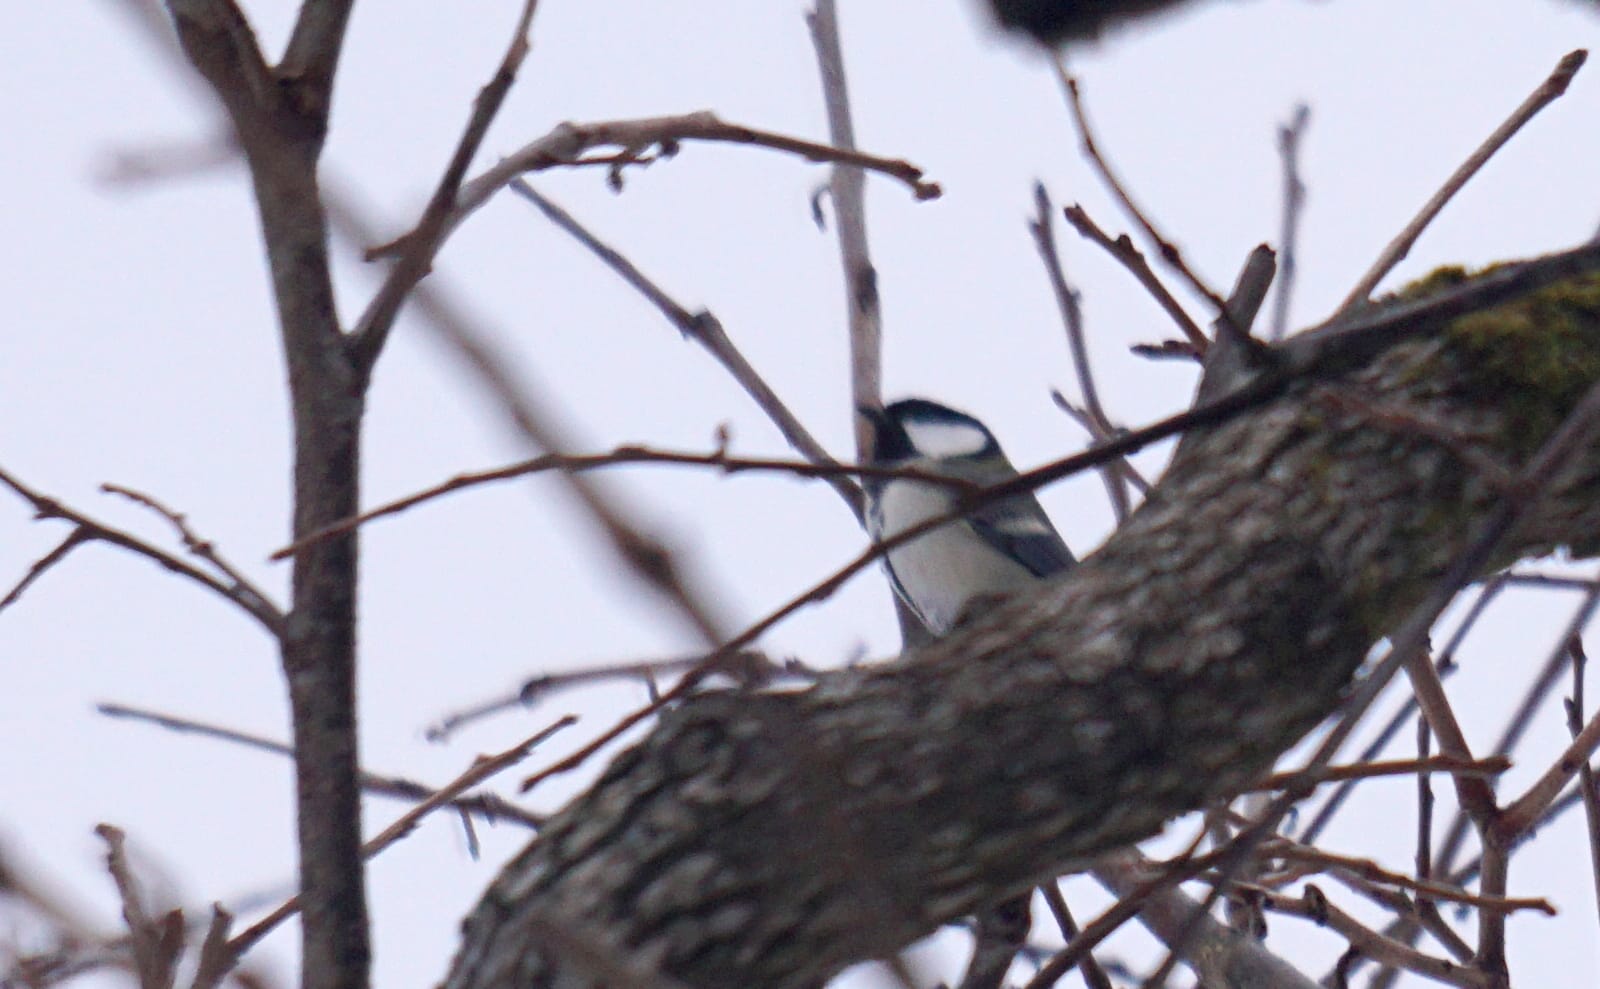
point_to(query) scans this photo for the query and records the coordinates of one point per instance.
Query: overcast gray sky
(140, 349)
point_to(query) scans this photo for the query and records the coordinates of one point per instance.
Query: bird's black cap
(892, 441)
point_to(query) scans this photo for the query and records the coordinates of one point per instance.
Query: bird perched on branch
(999, 547)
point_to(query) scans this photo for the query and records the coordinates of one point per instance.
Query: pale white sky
(141, 350)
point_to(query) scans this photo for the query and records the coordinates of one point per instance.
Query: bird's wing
(1021, 529)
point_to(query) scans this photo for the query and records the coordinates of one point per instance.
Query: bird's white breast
(942, 571)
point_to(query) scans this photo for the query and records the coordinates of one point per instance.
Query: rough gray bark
(770, 839)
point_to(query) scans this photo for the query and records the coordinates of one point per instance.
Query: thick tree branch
(1152, 679)
(312, 58)
(281, 129)
(220, 44)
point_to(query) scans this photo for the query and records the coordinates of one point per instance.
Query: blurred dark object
(1056, 21)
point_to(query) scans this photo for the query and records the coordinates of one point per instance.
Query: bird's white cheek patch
(946, 439)
(1024, 525)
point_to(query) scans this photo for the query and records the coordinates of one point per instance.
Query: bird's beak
(877, 419)
(879, 427)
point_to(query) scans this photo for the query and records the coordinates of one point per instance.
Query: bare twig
(1547, 92)
(1533, 578)
(1330, 807)
(156, 943)
(1081, 416)
(1407, 927)
(1344, 866)
(46, 507)
(1168, 251)
(202, 548)
(1445, 667)
(847, 191)
(1520, 815)
(1042, 228)
(1472, 792)
(280, 115)
(627, 455)
(77, 537)
(1492, 766)
(704, 328)
(1533, 698)
(1216, 952)
(645, 557)
(1237, 356)
(621, 727)
(417, 249)
(567, 144)
(1420, 909)
(1250, 287)
(1410, 638)
(1094, 976)
(481, 770)
(1586, 776)
(1490, 958)
(486, 805)
(1294, 198)
(1326, 348)
(1095, 420)
(1125, 253)
(1424, 852)
(1314, 906)
(751, 667)
(1468, 871)
(166, 162)
(1130, 901)
(216, 961)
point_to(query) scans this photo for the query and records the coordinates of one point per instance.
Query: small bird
(998, 548)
